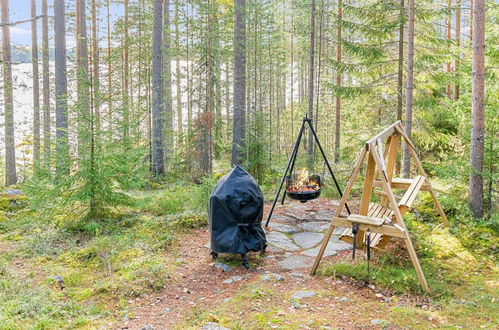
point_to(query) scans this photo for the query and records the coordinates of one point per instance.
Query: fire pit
(303, 187)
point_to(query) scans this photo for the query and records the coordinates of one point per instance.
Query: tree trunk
(47, 145)
(292, 72)
(207, 117)
(95, 67)
(458, 45)
(83, 107)
(167, 79)
(61, 91)
(449, 37)
(178, 80)
(478, 110)
(311, 67)
(410, 86)
(36, 87)
(109, 73)
(239, 93)
(126, 110)
(337, 130)
(10, 144)
(400, 73)
(158, 167)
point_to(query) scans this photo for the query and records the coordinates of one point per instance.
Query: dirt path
(198, 284)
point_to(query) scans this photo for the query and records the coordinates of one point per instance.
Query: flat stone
(376, 321)
(298, 275)
(222, 266)
(283, 228)
(303, 294)
(323, 215)
(273, 276)
(330, 251)
(295, 262)
(213, 326)
(228, 281)
(281, 217)
(344, 299)
(338, 231)
(307, 240)
(147, 327)
(236, 278)
(281, 241)
(317, 226)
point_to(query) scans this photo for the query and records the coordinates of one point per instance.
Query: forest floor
(149, 267)
(277, 291)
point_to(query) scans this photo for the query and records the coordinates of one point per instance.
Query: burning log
(303, 187)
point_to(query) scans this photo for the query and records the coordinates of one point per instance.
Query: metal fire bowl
(303, 196)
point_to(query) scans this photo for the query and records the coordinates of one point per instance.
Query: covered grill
(235, 215)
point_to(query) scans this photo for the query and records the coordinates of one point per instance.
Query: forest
(123, 118)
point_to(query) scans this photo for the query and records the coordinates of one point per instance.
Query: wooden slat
(411, 193)
(385, 229)
(384, 133)
(365, 220)
(399, 184)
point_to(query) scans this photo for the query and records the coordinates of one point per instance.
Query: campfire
(303, 186)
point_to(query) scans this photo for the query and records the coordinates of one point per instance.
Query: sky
(20, 10)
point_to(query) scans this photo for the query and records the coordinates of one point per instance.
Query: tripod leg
(327, 163)
(293, 156)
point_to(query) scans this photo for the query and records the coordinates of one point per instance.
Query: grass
(104, 262)
(130, 252)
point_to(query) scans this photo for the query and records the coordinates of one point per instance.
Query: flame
(303, 183)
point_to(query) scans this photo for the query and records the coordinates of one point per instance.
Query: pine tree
(61, 110)
(10, 144)
(158, 167)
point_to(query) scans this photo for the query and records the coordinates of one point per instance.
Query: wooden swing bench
(385, 220)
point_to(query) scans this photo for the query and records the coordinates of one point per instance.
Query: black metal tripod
(291, 165)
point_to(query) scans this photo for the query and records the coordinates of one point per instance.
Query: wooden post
(343, 201)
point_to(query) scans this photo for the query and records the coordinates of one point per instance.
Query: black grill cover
(235, 214)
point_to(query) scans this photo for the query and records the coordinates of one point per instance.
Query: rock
(307, 240)
(213, 326)
(236, 278)
(296, 304)
(228, 281)
(323, 215)
(376, 321)
(281, 217)
(273, 276)
(303, 294)
(330, 251)
(222, 266)
(12, 192)
(147, 327)
(283, 228)
(344, 299)
(208, 245)
(317, 226)
(167, 310)
(281, 241)
(295, 262)
(299, 275)
(226, 300)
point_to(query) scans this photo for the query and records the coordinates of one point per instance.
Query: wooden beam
(400, 184)
(385, 229)
(384, 133)
(343, 201)
(400, 221)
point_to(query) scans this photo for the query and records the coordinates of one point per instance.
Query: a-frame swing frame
(393, 226)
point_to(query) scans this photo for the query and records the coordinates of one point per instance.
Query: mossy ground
(131, 252)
